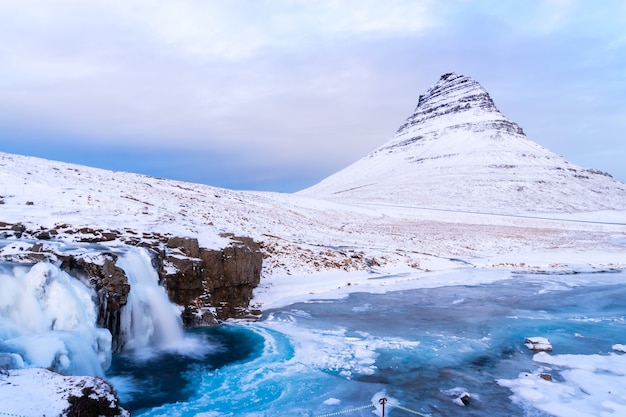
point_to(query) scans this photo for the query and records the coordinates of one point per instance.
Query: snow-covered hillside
(457, 151)
(458, 179)
(299, 234)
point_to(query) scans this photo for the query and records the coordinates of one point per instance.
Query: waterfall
(149, 320)
(48, 320)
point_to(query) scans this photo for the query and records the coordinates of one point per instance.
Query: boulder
(546, 377)
(463, 399)
(187, 245)
(459, 396)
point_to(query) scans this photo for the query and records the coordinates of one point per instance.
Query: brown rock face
(211, 284)
(98, 400)
(110, 283)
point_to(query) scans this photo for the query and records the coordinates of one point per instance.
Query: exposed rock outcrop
(110, 283)
(211, 284)
(456, 94)
(38, 392)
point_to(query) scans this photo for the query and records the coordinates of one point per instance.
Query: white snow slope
(457, 180)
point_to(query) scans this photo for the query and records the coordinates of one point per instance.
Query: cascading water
(152, 338)
(149, 320)
(47, 319)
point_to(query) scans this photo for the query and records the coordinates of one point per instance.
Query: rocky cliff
(210, 284)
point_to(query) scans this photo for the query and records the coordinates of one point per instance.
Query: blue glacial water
(420, 349)
(155, 378)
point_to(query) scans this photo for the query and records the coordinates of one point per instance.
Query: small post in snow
(382, 402)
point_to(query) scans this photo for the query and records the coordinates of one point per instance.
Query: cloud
(209, 29)
(240, 28)
(279, 85)
(190, 73)
(113, 64)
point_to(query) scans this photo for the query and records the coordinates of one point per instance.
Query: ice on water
(425, 349)
(422, 348)
(589, 385)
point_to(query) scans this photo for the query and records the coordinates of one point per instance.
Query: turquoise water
(151, 379)
(419, 348)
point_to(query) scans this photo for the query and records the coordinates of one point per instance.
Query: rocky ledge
(33, 390)
(211, 285)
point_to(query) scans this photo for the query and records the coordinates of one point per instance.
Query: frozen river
(421, 349)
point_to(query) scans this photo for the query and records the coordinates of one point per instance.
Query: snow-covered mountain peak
(453, 94)
(457, 151)
(454, 102)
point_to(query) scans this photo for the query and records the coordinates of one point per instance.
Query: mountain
(458, 152)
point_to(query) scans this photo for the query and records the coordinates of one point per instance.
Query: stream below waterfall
(422, 349)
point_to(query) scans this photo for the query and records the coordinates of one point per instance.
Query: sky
(278, 94)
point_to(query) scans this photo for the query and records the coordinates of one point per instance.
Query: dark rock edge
(211, 285)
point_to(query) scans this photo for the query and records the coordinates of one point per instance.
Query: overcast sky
(276, 94)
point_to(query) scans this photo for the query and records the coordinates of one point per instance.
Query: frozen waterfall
(48, 318)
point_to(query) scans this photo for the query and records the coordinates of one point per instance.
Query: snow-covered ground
(31, 391)
(300, 235)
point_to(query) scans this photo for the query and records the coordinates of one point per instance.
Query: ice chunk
(332, 401)
(590, 385)
(538, 343)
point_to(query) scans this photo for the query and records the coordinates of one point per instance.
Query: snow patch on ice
(619, 348)
(589, 385)
(332, 401)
